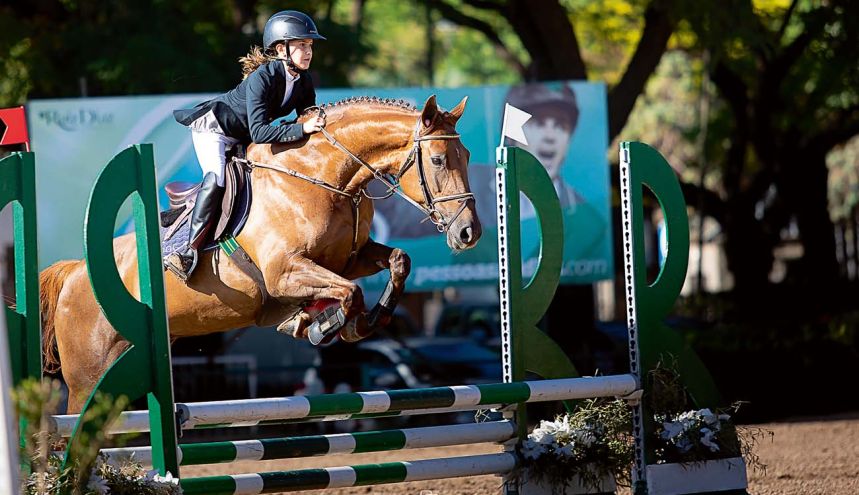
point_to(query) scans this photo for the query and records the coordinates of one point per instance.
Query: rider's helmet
(289, 25)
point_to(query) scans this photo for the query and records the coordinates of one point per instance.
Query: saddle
(235, 208)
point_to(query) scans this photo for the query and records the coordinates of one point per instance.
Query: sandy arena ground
(807, 456)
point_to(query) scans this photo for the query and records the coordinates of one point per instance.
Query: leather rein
(391, 181)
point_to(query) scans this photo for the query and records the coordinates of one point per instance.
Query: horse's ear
(456, 113)
(429, 113)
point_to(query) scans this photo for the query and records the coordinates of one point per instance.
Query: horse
(308, 231)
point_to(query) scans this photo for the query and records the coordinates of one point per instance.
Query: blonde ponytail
(255, 58)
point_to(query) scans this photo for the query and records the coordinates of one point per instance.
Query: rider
(275, 83)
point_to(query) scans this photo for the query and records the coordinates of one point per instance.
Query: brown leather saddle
(235, 208)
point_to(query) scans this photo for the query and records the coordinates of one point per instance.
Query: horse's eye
(438, 161)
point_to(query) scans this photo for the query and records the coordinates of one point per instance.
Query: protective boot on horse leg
(203, 218)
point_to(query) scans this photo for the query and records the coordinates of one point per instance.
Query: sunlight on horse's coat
(300, 235)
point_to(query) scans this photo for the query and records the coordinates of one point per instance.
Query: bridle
(392, 182)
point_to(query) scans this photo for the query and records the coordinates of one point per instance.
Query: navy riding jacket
(246, 112)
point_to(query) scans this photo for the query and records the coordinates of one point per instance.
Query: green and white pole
(346, 476)
(441, 399)
(318, 445)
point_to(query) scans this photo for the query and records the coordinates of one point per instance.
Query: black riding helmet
(289, 25)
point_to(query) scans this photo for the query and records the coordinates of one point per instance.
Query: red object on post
(13, 127)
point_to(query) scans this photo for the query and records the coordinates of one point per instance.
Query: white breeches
(211, 149)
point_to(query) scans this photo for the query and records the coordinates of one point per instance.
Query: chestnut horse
(309, 240)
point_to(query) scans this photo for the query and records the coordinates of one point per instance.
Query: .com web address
(479, 272)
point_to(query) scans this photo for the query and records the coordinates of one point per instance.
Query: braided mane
(360, 100)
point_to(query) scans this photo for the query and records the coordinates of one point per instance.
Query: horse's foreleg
(372, 258)
(304, 280)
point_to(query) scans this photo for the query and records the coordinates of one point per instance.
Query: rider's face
(301, 53)
(549, 139)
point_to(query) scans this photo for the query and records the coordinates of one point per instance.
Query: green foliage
(35, 402)
(843, 164)
(143, 47)
(667, 115)
(608, 32)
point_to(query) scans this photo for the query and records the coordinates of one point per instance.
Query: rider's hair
(255, 57)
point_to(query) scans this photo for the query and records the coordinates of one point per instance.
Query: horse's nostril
(465, 235)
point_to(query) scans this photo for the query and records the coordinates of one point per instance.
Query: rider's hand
(314, 124)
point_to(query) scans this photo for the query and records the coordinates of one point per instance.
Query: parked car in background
(604, 348)
(413, 362)
(480, 322)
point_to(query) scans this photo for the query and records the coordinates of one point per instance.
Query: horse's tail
(51, 282)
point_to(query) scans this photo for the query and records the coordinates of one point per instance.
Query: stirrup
(175, 263)
(325, 323)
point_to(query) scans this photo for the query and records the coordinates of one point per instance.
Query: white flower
(707, 438)
(567, 450)
(671, 430)
(168, 479)
(98, 485)
(684, 445)
(542, 436)
(686, 417)
(563, 428)
(531, 450)
(585, 437)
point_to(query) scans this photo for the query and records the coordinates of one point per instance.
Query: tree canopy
(748, 98)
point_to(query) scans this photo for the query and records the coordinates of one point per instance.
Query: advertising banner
(74, 138)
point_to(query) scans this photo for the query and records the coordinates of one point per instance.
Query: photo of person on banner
(554, 117)
(549, 132)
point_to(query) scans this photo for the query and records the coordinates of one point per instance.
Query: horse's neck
(382, 143)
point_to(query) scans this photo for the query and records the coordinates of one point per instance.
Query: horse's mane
(362, 101)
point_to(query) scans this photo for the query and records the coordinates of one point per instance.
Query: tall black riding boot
(203, 219)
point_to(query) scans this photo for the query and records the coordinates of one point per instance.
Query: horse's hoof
(356, 329)
(292, 327)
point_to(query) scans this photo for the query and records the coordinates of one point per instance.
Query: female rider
(275, 83)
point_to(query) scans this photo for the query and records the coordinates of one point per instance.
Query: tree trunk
(807, 188)
(546, 31)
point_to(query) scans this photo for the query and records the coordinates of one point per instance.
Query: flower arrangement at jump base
(696, 435)
(701, 448)
(35, 401)
(685, 435)
(580, 452)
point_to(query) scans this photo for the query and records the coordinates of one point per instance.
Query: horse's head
(438, 180)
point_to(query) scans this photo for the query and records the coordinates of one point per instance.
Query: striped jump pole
(340, 477)
(437, 399)
(135, 422)
(317, 445)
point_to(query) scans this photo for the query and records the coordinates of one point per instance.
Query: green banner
(567, 133)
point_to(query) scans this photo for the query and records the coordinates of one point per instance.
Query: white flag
(514, 119)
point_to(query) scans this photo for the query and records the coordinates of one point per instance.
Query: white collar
(289, 76)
